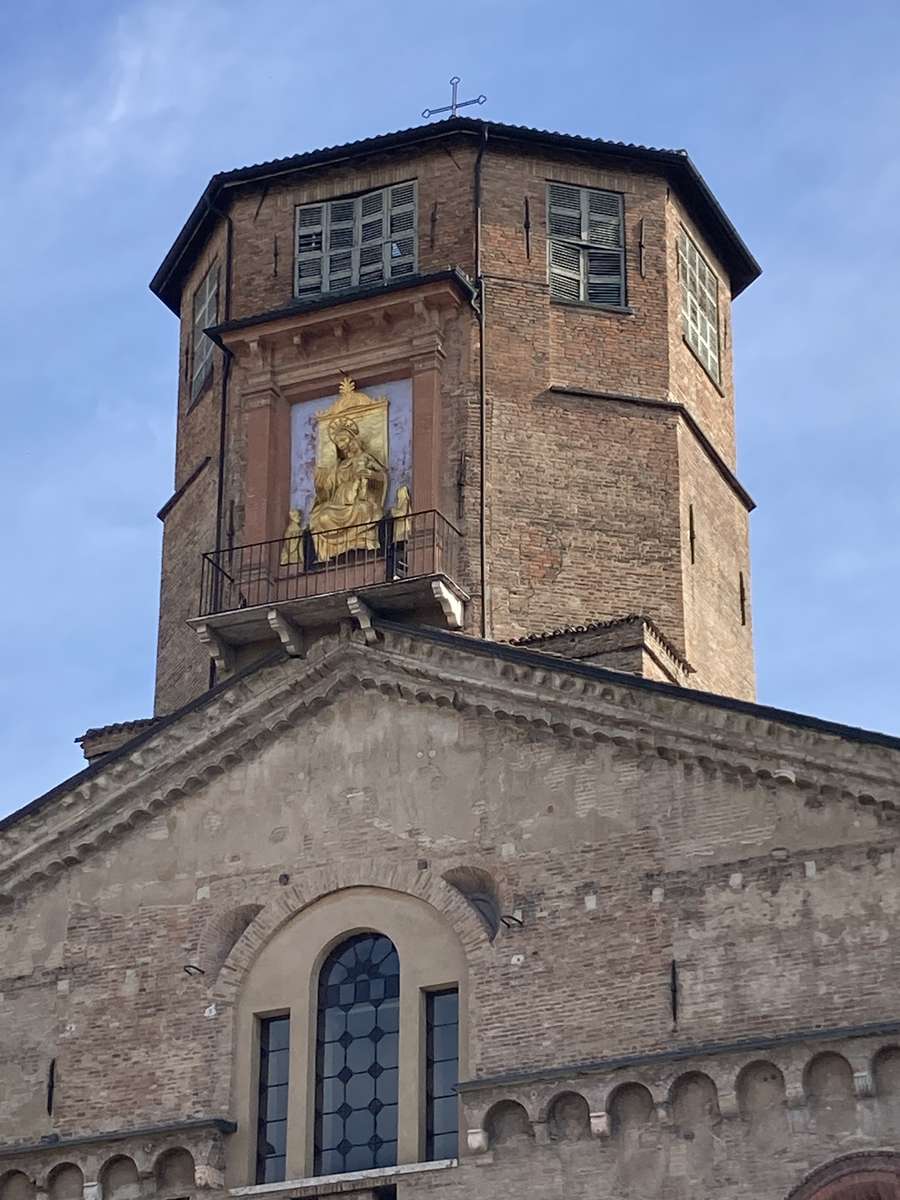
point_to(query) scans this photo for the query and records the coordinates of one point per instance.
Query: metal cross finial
(455, 103)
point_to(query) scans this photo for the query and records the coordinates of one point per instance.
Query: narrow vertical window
(742, 591)
(586, 245)
(205, 313)
(692, 534)
(441, 1074)
(699, 304)
(271, 1129)
(356, 1057)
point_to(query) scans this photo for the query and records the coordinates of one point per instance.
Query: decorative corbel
(863, 1083)
(342, 332)
(599, 1125)
(258, 352)
(219, 650)
(477, 1141)
(209, 1177)
(289, 634)
(451, 605)
(363, 616)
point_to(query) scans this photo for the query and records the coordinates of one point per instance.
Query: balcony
(399, 565)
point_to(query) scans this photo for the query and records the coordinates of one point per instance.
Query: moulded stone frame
(432, 955)
(297, 355)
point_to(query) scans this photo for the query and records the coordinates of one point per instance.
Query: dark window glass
(271, 1128)
(356, 1056)
(441, 1074)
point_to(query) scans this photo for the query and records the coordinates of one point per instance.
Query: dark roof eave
(742, 266)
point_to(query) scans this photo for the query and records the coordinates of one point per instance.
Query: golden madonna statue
(351, 478)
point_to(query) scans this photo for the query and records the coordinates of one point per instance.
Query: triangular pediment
(553, 701)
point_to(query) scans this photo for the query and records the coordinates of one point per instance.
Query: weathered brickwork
(584, 500)
(624, 826)
(669, 915)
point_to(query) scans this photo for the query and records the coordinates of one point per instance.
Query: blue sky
(114, 115)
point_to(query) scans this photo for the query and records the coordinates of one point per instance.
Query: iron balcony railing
(345, 560)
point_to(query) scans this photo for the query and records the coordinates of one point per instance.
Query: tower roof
(675, 164)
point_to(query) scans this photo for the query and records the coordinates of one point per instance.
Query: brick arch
(862, 1176)
(315, 885)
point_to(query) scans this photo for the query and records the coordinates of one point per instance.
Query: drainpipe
(223, 397)
(482, 396)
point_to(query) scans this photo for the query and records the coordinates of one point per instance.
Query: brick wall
(774, 900)
(585, 498)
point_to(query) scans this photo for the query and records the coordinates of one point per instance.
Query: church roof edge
(740, 262)
(521, 655)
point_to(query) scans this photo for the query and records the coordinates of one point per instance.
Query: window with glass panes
(271, 1121)
(357, 1034)
(586, 245)
(205, 313)
(699, 304)
(441, 1074)
(356, 242)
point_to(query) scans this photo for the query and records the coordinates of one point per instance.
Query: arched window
(356, 1056)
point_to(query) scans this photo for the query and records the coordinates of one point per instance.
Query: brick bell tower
(468, 374)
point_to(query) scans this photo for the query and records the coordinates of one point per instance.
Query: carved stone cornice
(555, 699)
(298, 350)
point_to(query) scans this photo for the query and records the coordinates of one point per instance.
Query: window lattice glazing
(356, 242)
(205, 313)
(586, 245)
(441, 1074)
(356, 1056)
(699, 304)
(271, 1128)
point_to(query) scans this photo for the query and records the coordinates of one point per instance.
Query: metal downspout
(482, 398)
(223, 399)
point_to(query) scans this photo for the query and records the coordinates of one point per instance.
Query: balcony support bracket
(289, 634)
(220, 652)
(362, 615)
(451, 604)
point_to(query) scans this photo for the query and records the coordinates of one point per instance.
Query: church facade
(457, 859)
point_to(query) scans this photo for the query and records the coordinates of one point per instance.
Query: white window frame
(586, 245)
(204, 313)
(345, 242)
(699, 305)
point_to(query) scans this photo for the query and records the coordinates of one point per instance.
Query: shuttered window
(586, 245)
(204, 314)
(361, 241)
(699, 304)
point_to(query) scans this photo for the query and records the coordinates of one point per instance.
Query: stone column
(426, 429)
(267, 430)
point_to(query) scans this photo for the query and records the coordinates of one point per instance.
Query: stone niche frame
(293, 355)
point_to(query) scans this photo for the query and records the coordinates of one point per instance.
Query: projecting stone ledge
(237, 637)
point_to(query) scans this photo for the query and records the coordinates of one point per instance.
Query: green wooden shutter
(340, 241)
(586, 245)
(310, 244)
(564, 227)
(360, 241)
(400, 246)
(371, 238)
(606, 266)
